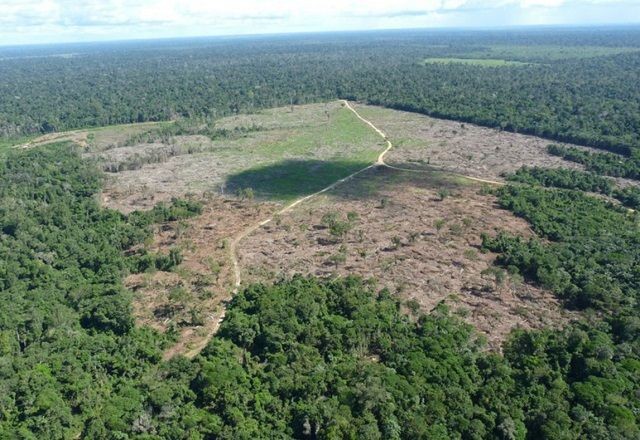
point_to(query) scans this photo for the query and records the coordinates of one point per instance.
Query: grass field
(483, 62)
(544, 53)
(295, 168)
(511, 56)
(309, 130)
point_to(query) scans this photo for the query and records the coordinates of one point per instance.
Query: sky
(55, 21)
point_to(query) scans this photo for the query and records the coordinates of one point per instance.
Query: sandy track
(238, 238)
(233, 246)
(235, 242)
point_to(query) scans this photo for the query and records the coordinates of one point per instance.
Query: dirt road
(235, 242)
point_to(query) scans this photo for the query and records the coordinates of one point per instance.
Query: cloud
(26, 20)
(21, 13)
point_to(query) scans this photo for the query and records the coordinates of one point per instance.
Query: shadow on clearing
(291, 179)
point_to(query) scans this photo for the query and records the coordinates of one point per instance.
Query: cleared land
(423, 142)
(426, 143)
(402, 233)
(417, 233)
(412, 242)
(280, 154)
(189, 300)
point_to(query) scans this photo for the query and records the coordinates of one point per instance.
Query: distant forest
(567, 84)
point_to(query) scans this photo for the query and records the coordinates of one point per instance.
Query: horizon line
(328, 32)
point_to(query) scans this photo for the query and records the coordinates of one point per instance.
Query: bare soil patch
(420, 247)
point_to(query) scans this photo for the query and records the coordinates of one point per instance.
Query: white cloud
(23, 20)
(543, 3)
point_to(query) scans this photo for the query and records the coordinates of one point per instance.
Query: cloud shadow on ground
(291, 179)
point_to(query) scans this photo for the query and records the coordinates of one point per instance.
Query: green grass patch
(546, 53)
(343, 136)
(310, 160)
(483, 62)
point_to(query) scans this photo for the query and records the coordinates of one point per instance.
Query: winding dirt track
(379, 162)
(235, 242)
(233, 245)
(238, 238)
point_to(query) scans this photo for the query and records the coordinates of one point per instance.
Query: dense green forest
(71, 361)
(303, 358)
(576, 84)
(577, 180)
(607, 164)
(592, 260)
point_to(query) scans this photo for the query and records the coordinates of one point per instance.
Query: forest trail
(233, 245)
(235, 242)
(238, 238)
